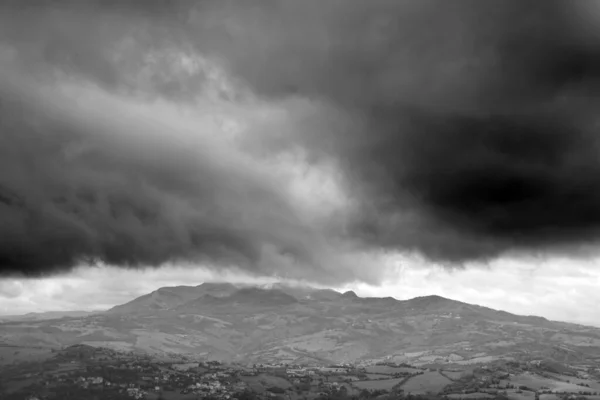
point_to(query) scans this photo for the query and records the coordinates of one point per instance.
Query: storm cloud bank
(459, 130)
(88, 177)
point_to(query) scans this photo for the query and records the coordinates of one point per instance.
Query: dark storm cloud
(475, 131)
(93, 174)
(464, 129)
(86, 176)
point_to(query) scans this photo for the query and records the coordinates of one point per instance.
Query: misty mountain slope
(273, 324)
(169, 297)
(241, 299)
(305, 292)
(273, 297)
(187, 298)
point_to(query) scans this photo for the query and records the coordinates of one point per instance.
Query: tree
(246, 395)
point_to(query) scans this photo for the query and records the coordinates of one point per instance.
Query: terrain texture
(302, 325)
(424, 345)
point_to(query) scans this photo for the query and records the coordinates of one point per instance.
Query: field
(557, 397)
(10, 355)
(386, 370)
(593, 385)
(536, 382)
(171, 396)
(377, 376)
(524, 395)
(548, 397)
(267, 381)
(428, 382)
(64, 368)
(477, 360)
(454, 374)
(532, 381)
(471, 396)
(386, 384)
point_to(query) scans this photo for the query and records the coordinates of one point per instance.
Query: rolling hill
(43, 316)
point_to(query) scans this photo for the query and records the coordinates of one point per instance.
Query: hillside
(307, 325)
(42, 316)
(168, 297)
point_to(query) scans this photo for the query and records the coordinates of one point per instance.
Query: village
(82, 371)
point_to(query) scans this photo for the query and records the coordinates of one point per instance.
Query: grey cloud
(10, 289)
(95, 181)
(475, 132)
(464, 131)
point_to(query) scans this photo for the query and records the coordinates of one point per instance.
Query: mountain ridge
(186, 293)
(303, 324)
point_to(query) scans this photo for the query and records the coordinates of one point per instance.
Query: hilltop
(168, 297)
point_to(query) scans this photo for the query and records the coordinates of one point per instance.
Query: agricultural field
(377, 376)
(16, 385)
(386, 384)
(64, 368)
(471, 396)
(428, 382)
(11, 355)
(532, 381)
(549, 397)
(524, 395)
(166, 395)
(267, 380)
(454, 374)
(478, 360)
(593, 385)
(536, 382)
(387, 370)
(558, 397)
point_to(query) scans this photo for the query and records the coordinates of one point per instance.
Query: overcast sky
(344, 143)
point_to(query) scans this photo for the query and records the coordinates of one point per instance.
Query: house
(296, 372)
(185, 367)
(135, 393)
(96, 380)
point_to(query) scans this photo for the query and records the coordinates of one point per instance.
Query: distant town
(86, 372)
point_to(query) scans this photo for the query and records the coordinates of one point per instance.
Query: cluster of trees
(342, 394)
(496, 397)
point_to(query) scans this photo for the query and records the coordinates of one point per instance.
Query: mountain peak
(217, 286)
(257, 295)
(432, 299)
(169, 297)
(436, 303)
(350, 294)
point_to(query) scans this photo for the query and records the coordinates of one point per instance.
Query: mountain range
(301, 324)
